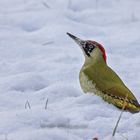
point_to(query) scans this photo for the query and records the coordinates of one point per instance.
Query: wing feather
(110, 83)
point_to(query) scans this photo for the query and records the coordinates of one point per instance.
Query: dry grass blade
(48, 43)
(46, 104)
(46, 5)
(27, 104)
(116, 126)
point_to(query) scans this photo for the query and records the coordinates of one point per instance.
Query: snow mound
(40, 94)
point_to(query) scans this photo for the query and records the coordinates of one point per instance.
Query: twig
(46, 5)
(69, 4)
(27, 104)
(46, 104)
(116, 126)
(48, 43)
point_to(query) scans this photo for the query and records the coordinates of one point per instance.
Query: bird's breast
(86, 84)
(89, 86)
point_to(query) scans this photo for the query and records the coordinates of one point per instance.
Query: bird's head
(93, 51)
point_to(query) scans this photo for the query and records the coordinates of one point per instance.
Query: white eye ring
(90, 46)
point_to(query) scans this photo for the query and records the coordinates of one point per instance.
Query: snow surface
(38, 61)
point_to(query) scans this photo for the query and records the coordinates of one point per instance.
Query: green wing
(112, 87)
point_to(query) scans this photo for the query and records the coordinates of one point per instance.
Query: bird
(98, 78)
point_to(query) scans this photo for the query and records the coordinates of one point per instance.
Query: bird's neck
(95, 61)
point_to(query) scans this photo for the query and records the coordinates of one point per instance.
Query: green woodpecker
(98, 78)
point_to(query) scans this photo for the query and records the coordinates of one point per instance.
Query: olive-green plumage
(98, 78)
(103, 81)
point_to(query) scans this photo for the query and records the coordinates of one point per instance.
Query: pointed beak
(79, 41)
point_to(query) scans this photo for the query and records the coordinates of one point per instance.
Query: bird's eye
(91, 47)
(88, 48)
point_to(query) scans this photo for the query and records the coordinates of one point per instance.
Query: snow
(38, 61)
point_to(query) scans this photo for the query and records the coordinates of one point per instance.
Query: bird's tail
(124, 103)
(133, 108)
(130, 105)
